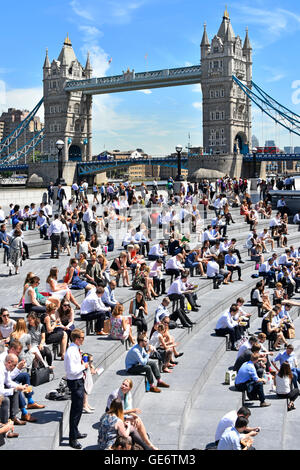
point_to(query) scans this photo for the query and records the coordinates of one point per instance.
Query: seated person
(226, 325)
(248, 380)
(137, 361)
(92, 308)
(233, 438)
(120, 326)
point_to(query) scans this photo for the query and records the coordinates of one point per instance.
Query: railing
(132, 76)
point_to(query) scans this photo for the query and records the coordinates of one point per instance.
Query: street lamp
(60, 145)
(178, 149)
(254, 152)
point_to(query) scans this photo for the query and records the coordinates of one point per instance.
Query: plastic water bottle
(147, 385)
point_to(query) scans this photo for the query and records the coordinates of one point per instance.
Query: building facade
(226, 108)
(68, 116)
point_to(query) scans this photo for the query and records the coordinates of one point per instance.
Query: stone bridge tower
(226, 109)
(68, 116)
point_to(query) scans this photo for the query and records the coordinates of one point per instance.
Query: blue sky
(169, 32)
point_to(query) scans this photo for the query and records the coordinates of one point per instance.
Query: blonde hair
(20, 328)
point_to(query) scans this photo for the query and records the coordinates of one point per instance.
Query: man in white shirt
(75, 189)
(227, 325)
(296, 220)
(213, 272)
(11, 389)
(54, 232)
(265, 237)
(157, 251)
(92, 308)
(87, 219)
(178, 290)
(74, 368)
(174, 265)
(229, 419)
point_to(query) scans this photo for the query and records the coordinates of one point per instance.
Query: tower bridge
(228, 92)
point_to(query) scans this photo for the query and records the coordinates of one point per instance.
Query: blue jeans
(296, 376)
(23, 378)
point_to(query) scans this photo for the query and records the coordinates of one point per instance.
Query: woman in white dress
(59, 290)
(83, 246)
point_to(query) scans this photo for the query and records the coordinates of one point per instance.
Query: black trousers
(87, 228)
(77, 394)
(55, 239)
(235, 268)
(234, 333)
(140, 323)
(98, 316)
(159, 283)
(182, 316)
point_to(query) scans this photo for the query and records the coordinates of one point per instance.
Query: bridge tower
(226, 109)
(68, 115)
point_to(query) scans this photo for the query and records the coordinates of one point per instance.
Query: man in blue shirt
(248, 380)
(137, 362)
(231, 437)
(231, 263)
(289, 356)
(4, 241)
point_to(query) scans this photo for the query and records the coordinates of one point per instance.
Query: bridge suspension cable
(279, 113)
(24, 150)
(13, 136)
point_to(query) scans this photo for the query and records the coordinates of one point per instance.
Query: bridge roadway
(131, 81)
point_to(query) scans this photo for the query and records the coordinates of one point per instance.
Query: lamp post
(179, 177)
(60, 145)
(254, 152)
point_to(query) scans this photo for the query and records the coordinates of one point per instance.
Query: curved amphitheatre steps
(111, 354)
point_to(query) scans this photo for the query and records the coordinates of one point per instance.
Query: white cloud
(197, 105)
(24, 98)
(271, 23)
(197, 88)
(80, 11)
(146, 92)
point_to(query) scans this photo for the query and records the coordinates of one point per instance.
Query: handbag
(107, 326)
(230, 376)
(291, 333)
(39, 376)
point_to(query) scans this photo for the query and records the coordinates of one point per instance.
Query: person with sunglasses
(7, 325)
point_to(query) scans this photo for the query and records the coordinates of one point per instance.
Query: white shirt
(88, 216)
(72, 362)
(55, 227)
(226, 321)
(173, 263)
(212, 268)
(227, 421)
(177, 287)
(7, 385)
(283, 385)
(156, 250)
(93, 303)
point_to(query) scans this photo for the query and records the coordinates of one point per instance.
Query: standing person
(61, 195)
(75, 367)
(54, 232)
(87, 219)
(50, 192)
(16, 250)
(95, 193)
(75, 188)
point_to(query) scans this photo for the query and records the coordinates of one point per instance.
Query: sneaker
(265, 404)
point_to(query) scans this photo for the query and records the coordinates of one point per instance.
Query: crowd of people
(142, 239)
